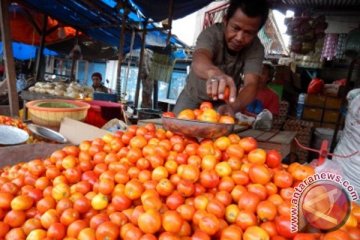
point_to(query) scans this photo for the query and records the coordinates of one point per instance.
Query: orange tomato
(226, 120)
(283, 179)
(248, 144)
(172, 221)
(235, 150)
(255, 232)
(248, 201)
(246, 219)
(257, 156)
(209, 115)
(206, 105)
(186, 114)
(209, 224)
(259, 173)
(107, 230)
(149, 221)
(266, 211)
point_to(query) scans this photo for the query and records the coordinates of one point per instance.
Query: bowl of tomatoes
(204, 122)
(195, 128)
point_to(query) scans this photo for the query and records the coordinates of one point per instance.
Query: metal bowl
(46, 133)
(192, 128)
(10, 135)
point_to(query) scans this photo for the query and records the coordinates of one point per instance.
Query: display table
(12, 155)
(273, 139)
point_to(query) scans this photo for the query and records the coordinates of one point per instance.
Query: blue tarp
(23, 51)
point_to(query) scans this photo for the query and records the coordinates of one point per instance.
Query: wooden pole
(9, 59)
(40, 55)
(121, 53)
(141, 60)
(171, 12)
(75, 57)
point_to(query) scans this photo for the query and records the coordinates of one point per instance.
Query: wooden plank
(283, 137)
(251, 133)
(266, 136)
(284, 149)
(9, 59)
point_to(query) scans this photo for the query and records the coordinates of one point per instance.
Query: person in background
(97, 83)
(227, 54)
(265, 97)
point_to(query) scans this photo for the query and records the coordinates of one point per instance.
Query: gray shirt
(248, 60)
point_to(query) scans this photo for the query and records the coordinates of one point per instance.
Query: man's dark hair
(252, 8)
(96, 74)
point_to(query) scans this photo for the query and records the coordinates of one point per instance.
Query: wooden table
(273, 139)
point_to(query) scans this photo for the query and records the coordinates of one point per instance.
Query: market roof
(101, 19)
(320, 5)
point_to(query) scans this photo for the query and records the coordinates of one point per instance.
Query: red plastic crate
(101, 112)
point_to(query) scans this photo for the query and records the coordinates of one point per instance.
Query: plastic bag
(263, 120)
(244, 119)
(328, 166)
(115, 125)
(316, 86)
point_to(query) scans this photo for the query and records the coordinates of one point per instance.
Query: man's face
(241, 30)
(96, 81)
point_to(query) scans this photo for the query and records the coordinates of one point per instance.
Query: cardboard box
(331, 116)
(76, 131)
(313, 114)
(328, 125)
(315, 100)
(333, 103)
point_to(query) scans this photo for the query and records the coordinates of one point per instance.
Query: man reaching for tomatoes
(223, 54)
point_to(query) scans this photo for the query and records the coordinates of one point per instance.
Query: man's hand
(215, 87)
(226, 109)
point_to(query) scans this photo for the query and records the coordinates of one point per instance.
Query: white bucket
(321, 134)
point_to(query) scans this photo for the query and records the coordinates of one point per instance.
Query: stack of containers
(341, 46)
(329, 48)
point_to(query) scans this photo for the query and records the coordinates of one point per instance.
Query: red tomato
(169, 114)
(283, 225)
(273, 158)
(107, 230)
(209, 179)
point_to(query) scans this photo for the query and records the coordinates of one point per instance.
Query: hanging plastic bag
(263, 120)
(316, 86)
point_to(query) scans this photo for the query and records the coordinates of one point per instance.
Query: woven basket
(161, 67)
(52, 116)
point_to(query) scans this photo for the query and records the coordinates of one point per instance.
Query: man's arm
(203, 66)
(216, 79)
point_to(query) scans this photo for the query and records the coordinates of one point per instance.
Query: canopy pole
(75, 57)
(171, 13)
(40, 55)
(8, 57)
(141, 61)
(129, 63)
(121, 53)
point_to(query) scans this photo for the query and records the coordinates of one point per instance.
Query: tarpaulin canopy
(22, 51)
(22, 21)
(158, 10)
(101, 19)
